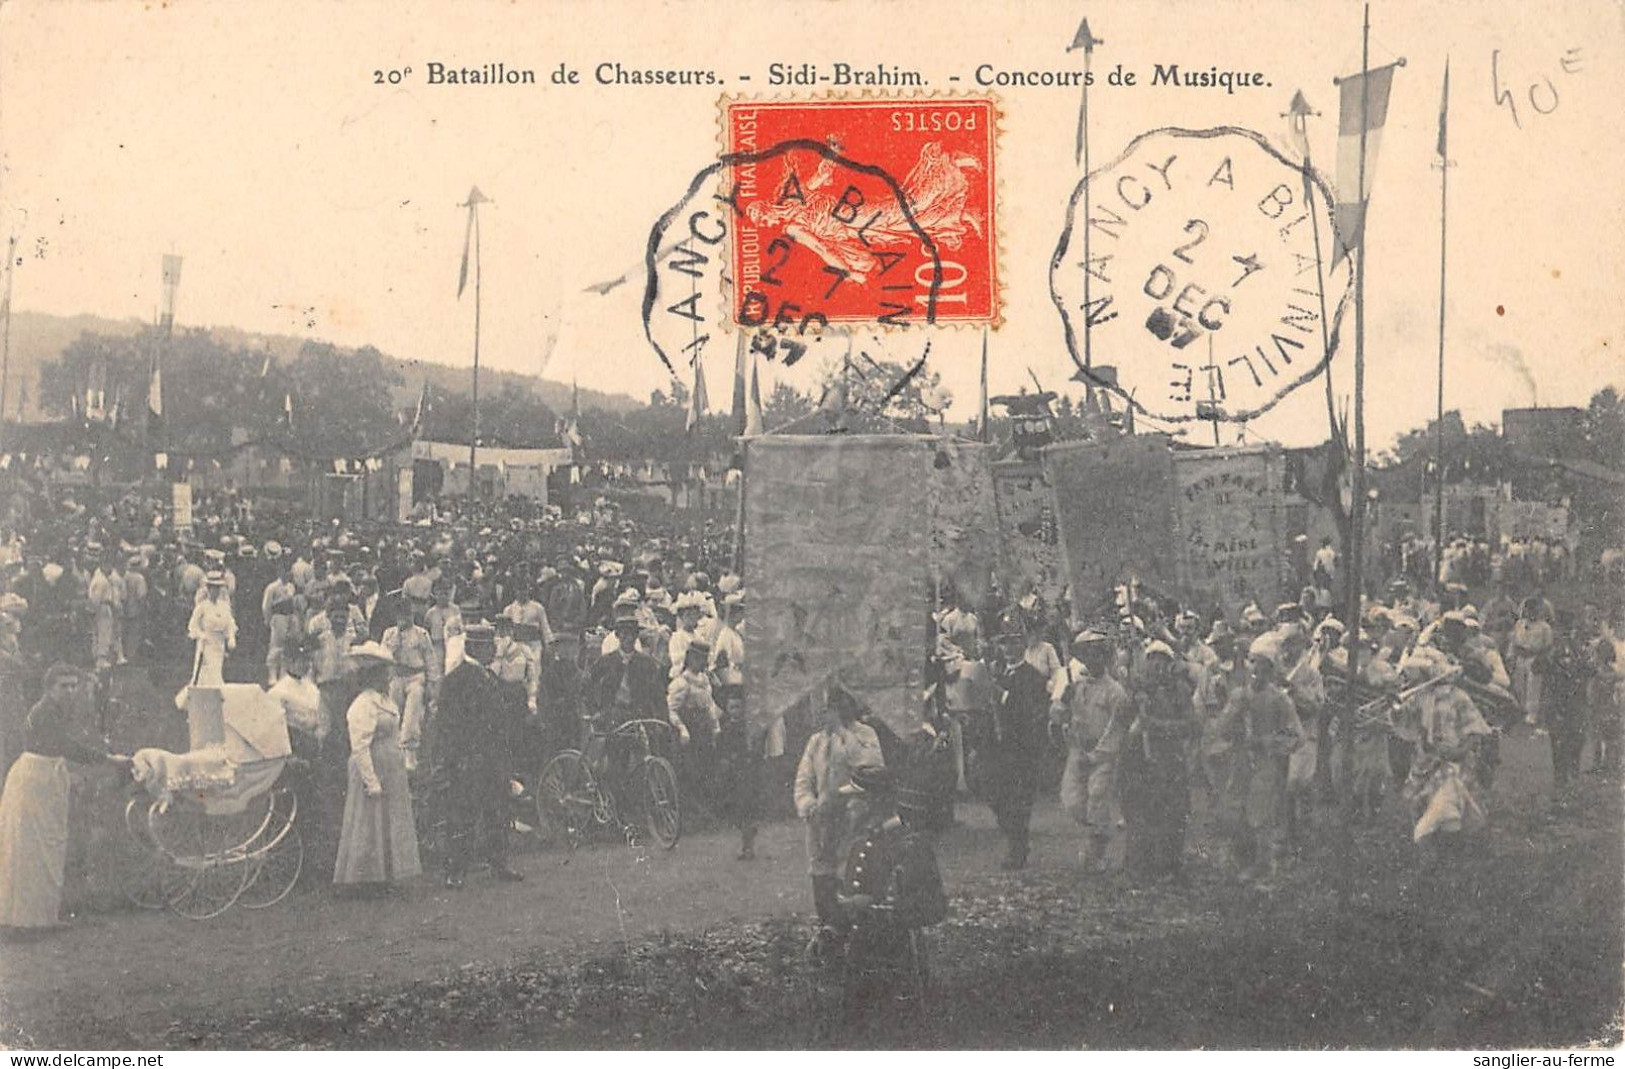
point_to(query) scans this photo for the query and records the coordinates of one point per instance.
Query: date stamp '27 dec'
(810, 236)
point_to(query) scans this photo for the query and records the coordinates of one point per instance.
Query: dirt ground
(1517, 942)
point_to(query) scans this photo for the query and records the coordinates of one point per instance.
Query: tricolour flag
(1363, 108)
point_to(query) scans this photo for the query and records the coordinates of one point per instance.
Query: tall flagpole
(1080, 155)
(474, 438)
(5, 336)
(1438, 423)
(1356, 521)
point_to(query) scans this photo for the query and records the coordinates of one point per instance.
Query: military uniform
(1155, 779)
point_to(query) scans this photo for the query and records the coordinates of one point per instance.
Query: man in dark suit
(473, 738)
(1020, 734)
(625, 684)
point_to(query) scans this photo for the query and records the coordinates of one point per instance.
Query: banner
(964, 521)
(1114, 503)
(1231, 528)
(181, 505)
(837, 537)
(1029, 543)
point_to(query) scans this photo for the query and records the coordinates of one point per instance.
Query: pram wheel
(208, 866)
(277, 856)
(141, 864)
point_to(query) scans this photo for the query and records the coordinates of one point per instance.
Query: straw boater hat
(370, 653)
(215, 578)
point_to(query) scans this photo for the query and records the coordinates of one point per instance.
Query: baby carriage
(217, 825)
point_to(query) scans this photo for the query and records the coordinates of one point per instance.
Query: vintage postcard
(877, 524)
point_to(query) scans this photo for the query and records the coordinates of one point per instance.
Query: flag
(423, 404)
(754, 424)
(475, 199)
(1444, 111)
(155, 398)
(1362, 111)
(287, 409)
(698, 402)
(265, 368)
(1297, 116)
(740, 412)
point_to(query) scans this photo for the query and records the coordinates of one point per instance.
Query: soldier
(473, 736)
(1094, 735)
(1153, 769)
(1263, 729)
(840, 745)
(1021, 700)
(892, 889)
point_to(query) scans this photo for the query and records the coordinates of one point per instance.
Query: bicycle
(574, 795)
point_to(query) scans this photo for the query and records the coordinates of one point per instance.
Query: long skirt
(378, 842)
(33, 841)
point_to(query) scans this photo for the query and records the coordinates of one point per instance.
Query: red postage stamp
(863, 211)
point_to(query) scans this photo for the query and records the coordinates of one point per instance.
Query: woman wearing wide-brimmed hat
(378, 843)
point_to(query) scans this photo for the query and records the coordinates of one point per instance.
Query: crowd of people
(427, 671)
(1157, 705)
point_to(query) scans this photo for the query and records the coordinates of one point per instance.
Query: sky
(251, 139)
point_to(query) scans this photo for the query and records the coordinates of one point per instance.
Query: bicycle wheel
(661, 812)
(566, 797)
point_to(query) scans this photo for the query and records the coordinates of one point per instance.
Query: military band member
(891, 890)
(1263, 728)
(1094, 730)
(1154, 773)
(841, 744)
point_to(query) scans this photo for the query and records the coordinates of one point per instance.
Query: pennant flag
(265, 368)
(287, 409)
(741, 416)
(754, 423)
(155, 399)
(1363, 109)
(698, 402)
(1297, 116)
(423, 405)
(475, 199)
(1444, 112)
